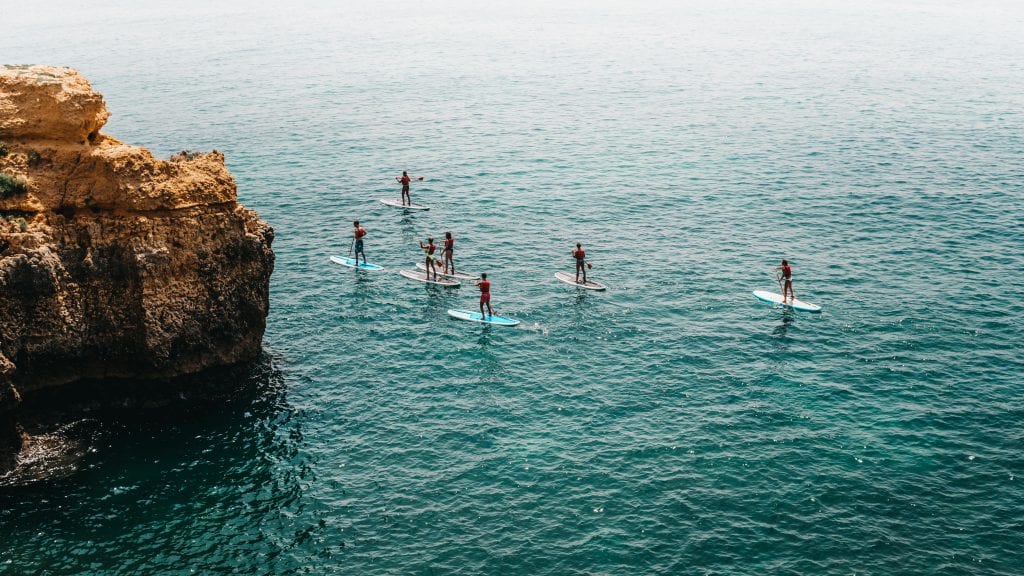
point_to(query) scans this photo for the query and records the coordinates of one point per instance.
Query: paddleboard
(475, 317)
(570, 278)
(422, 277)
(459, 275)
(774, 298)
(351, 263)
(398, 204)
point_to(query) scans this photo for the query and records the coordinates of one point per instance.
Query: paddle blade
(590, 266)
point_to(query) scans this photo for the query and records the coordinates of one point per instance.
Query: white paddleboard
(459, 275)
(471, 316)
(352, 263)
(398, 204)
(570, 278)
(774, 298)
(422, 277)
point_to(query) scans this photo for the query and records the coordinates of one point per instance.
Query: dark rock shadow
(63, 424)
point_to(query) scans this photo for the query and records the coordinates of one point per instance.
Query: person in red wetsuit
(581, 262)
(784, 275)
(404, 179)
(485, 295)
(428, 251)
(449, 252)
(358, 232)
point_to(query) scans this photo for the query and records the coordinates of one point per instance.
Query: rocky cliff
(114, 263)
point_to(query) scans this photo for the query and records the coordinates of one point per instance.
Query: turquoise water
(671, 425)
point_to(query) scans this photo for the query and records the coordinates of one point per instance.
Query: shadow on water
(68, 426)
(780, 331)
(488, 360)
(486, 338)
(407, 224)
(363, 279)
(581, 298)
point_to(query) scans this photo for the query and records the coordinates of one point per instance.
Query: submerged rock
(113, 263)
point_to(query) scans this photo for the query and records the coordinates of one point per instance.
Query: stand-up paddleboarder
(581, 262)
(449, 253)
(485, 296)
(358, 232)
(404, 180)
(428, 251)
(784, 275)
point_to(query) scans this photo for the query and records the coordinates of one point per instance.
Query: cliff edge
(113, 263)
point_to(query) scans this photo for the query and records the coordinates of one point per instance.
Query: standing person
(428, 251)
(581, 262)
(485, 295)
(357, 239)
(404, 179)
(449, 252)
(784, 275)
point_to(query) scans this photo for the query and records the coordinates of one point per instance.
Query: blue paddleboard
(351, 263)
(476, 317)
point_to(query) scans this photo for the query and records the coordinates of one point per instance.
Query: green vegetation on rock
(12, 186)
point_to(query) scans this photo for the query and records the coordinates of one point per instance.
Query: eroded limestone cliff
(114, 263)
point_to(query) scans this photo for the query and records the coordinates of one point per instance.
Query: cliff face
(114, 263)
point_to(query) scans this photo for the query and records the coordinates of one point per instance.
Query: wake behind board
(422, 277)
(352, 264)
(398, 204)
(571, 279)
(774, 298)
(459, 275)
(471, 316)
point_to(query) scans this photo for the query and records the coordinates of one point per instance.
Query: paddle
(353, 243)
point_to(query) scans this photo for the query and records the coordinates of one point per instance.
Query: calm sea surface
(672, 425)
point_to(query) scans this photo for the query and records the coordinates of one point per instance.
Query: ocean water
(671, 425)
